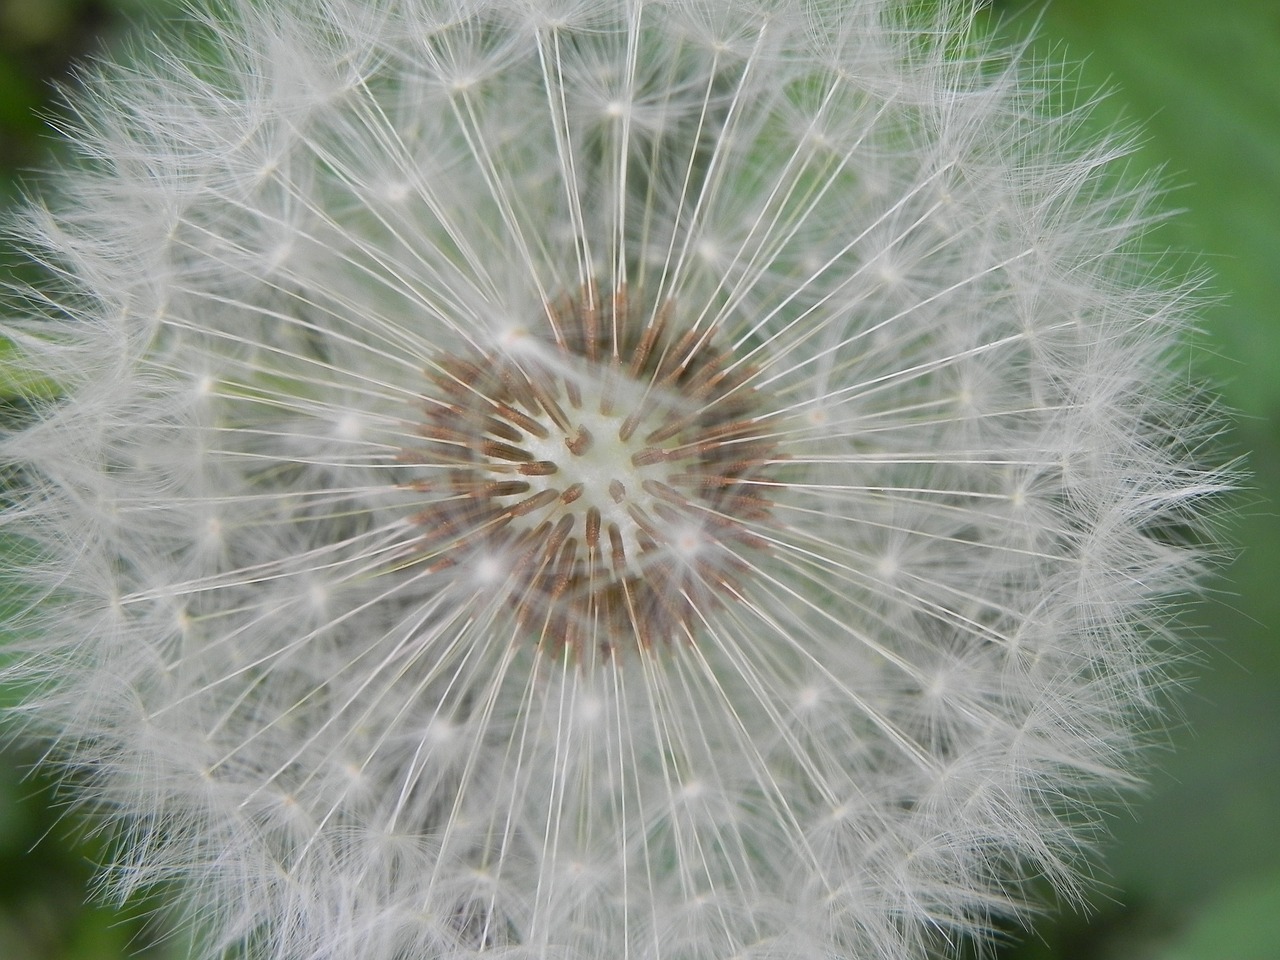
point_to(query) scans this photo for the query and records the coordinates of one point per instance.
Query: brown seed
(693, 450)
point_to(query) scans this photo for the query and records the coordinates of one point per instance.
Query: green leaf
(1244, 924)
(19, 383)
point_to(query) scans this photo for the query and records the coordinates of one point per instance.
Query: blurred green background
(1193, 869)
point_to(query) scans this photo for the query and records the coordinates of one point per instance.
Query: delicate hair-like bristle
(594, 479)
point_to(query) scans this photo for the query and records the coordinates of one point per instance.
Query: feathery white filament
(595, 479)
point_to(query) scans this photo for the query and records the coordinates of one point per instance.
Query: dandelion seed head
(613, 468)
(595, 479)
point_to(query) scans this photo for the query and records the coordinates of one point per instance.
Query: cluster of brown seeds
(605, 480)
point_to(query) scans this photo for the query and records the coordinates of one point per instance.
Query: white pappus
(595, 479)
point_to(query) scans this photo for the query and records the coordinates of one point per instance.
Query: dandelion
(594, 479)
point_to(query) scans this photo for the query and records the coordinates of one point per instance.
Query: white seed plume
(593, 479)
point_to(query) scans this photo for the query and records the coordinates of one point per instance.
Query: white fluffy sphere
(594, 479)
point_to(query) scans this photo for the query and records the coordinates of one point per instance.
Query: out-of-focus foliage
(1242, 924)
(1192, 874)
(44, 872)
(38, 39)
